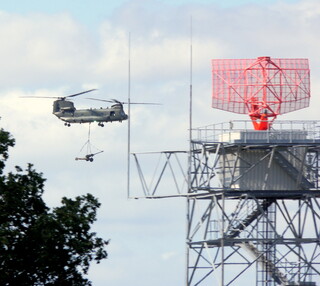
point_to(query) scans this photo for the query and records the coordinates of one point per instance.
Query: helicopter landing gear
(67, 124)
(100, 124)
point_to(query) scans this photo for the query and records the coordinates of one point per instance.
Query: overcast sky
(57, 48)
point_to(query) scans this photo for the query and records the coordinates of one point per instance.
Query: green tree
(39, 245)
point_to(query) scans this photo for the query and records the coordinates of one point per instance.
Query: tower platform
(253, 202)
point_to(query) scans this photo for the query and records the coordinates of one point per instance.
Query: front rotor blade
(39, 97)
(76, 94)
(60, 97)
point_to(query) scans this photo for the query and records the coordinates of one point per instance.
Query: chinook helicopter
(65, 110)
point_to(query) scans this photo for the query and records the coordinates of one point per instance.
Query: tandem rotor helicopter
(65, 110)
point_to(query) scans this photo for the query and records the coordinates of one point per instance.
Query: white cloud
(40, 50)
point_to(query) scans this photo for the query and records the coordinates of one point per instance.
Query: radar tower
(252, 193)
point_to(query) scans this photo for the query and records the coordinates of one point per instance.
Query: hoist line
(89, 144)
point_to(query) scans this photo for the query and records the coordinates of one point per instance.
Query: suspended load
(90, 149)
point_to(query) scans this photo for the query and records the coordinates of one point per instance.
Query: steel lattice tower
(265, 217)
(253, 208)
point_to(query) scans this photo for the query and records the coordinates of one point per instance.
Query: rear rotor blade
(104, 100)
(147, 103)
(39, 97)
(121, 102)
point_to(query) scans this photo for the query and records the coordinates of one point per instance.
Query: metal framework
(253, 215)
(263, 88)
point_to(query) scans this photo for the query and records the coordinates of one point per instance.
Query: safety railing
(242, 131)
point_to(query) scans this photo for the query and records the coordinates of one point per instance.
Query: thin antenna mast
(129, 105)
(189, 157)
(190, 106)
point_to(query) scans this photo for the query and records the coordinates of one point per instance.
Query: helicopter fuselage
(66, 111)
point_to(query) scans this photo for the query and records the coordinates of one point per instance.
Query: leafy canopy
(40, 246)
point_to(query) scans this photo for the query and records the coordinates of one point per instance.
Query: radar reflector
(263, 88)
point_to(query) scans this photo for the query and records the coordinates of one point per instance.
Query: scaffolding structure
(253, 202)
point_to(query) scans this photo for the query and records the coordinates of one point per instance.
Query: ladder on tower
(267, 265)
(263, 256)
(253, 212)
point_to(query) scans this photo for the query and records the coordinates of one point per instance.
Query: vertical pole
(189, 161)
(222, 218)
(300, 236)
(129, 105)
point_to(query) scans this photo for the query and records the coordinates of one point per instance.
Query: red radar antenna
(263, 88)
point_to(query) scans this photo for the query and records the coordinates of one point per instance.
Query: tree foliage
(39, 245)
